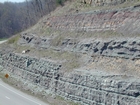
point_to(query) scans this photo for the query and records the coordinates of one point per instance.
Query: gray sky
(12, 0)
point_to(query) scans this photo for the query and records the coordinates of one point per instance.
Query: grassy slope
(71, 7)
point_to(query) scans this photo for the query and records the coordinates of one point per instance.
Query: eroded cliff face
(80, 86)
(103, 2)
(99, 90)
(124, 21)
(106, 45)
(35, 70)
(112, 47)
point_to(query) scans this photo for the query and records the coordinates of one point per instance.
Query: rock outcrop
(35, 70)
(103, 2)
(125, 21)
(88, 84)
(99, 90)
(85, 88)
(125, 48)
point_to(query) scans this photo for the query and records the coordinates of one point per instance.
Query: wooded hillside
(15, 17)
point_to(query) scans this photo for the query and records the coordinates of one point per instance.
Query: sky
(2, 1)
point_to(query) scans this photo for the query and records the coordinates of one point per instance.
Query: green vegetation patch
(60, 2)
(13, 39)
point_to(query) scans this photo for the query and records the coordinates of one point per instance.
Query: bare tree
(28, 13)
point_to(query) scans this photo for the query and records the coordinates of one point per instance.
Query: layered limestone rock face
(38, 71)
(100, 79)
(99, 90)
(124, 21)
(113, 47)
(103, 2)
(79, 86)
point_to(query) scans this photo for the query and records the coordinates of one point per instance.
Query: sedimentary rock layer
(88, 89)
(103, 2)
(126, 21)
(35, 70)
(125, 48)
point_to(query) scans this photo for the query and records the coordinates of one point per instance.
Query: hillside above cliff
(77, 33)
(82, 45)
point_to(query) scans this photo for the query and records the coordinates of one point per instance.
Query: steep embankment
(89, 57)
(79, 86)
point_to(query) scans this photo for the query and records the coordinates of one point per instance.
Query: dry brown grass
(69, 60)
(71, 7)
(13, 39)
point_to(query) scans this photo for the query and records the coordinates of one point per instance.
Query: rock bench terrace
(88, 89)
(125, 21)
(125, 48)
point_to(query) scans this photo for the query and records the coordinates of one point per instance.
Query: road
(2, 41)
(11, 96)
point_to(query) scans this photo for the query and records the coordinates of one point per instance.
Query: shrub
(60, 2)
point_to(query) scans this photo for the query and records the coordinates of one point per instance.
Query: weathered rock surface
(86, 88)
(125, 48)
(99, 90)
(103, 2)
(35, 70)
(83, 84)
(126, 21)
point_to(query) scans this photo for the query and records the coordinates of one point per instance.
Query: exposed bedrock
(86, 88)
(125, 48)
(126, 21)
(103, 2)
(34, 70)
(114, 48)
(82, 84)
(98, 90)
